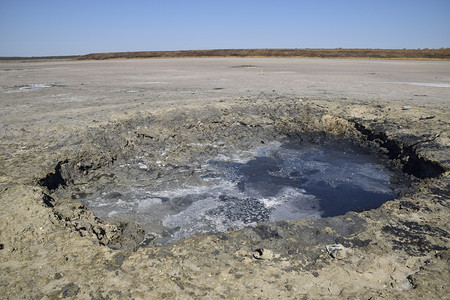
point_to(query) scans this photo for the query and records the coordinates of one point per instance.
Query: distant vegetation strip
(439, 54)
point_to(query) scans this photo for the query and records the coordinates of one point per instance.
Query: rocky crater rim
(163, 141)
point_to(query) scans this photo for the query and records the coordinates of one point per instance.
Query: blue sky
(65, 27)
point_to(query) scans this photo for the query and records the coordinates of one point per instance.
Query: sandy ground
(65, 124)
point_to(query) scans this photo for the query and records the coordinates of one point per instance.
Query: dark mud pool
(268, 184)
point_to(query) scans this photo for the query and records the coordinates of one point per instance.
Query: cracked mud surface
(68, 132)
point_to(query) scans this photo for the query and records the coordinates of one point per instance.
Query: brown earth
(68, 127)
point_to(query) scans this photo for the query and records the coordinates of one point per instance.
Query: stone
(263, 254)
(426, 117)
(337, 251)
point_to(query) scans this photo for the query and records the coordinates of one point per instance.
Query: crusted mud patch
(54, 245)
(378, 245)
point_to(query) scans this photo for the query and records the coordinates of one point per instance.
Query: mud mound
(146, 173)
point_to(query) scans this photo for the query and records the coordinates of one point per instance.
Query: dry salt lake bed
(224, 178)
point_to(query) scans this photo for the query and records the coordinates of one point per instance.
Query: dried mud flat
(67, 127)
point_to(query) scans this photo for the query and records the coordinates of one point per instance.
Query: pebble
(263, 254)
(337, 251)
(427, 117)
(406, 107)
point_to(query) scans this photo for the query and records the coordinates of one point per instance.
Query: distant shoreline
(401, 54)
(37, 58)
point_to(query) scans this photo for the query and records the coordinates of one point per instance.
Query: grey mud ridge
(69, 128)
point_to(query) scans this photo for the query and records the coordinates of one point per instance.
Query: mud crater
(229, 171)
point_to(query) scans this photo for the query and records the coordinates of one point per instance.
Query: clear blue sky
(65, 27)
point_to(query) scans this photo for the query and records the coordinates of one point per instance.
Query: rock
(337, 251)
(264, 254)
(426, 117)
(406, 107)
(70, 290)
